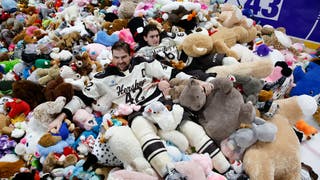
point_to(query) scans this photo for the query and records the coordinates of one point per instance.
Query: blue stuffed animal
(9, 6)
(308, 81)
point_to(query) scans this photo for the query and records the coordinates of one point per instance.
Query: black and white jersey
(133, 86)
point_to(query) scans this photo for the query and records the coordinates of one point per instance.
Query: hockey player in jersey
(128, 80)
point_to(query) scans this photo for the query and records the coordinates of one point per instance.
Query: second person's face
(152, 38)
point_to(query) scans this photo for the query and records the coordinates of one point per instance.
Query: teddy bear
(82, 64)
(197, 54)
(28, 144)
(225, 38)
(67, 41)
(257, 69)
(28, 91)
(249, 87)
(63, 56)
(115, 25)
(70, 76)
(224, 105)
(45, 112)
(283, 154)
(230, 15)
(280, 81)
(53, 160)
(277, 38)
(3, 100)
(47, 74)
(259, 130)
(126, 8)
(168, 121)
(181, 89)
(57, 87)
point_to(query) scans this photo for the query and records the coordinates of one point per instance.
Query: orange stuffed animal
(307, 130)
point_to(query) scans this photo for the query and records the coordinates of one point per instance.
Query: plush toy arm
(177, 112)
(43, 80)
(176, 138)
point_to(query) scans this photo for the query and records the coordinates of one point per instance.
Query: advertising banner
(301, 18)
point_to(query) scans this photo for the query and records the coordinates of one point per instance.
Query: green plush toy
(42, 63)
(8, 65)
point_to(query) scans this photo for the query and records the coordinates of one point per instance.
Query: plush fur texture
(56, 88)
(168, 121)
(47, 74)
(8, 169)
(249, 87)
(224, 110)
(225, 38)
(281, 158)
(127, 149)
(192, 96)
(29, 92)
(45, 112)
(196, 44)
(257, 69)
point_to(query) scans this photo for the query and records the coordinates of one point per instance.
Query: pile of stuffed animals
(264, 85)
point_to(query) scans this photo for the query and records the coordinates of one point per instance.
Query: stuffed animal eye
(91, 121)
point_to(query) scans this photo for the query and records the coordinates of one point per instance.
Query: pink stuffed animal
(94, 50)
(84, 119)
(280, 80)
(289, 57)
(127, 37)
(126, 109)
(204, 161)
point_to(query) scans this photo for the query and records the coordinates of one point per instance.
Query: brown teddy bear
(56, 88)
(67, 41)
(82, 64)
(280, 159)
(52, 161)
(115, 25)
(29, 92)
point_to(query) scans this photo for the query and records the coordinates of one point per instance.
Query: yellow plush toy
(280, 159)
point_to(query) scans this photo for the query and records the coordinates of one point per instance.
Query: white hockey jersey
(134, 85)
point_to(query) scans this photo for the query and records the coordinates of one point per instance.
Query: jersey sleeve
(158, 70)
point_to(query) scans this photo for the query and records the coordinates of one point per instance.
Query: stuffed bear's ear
(193, 82)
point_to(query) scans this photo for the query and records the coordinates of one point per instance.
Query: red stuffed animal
(16, 107)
